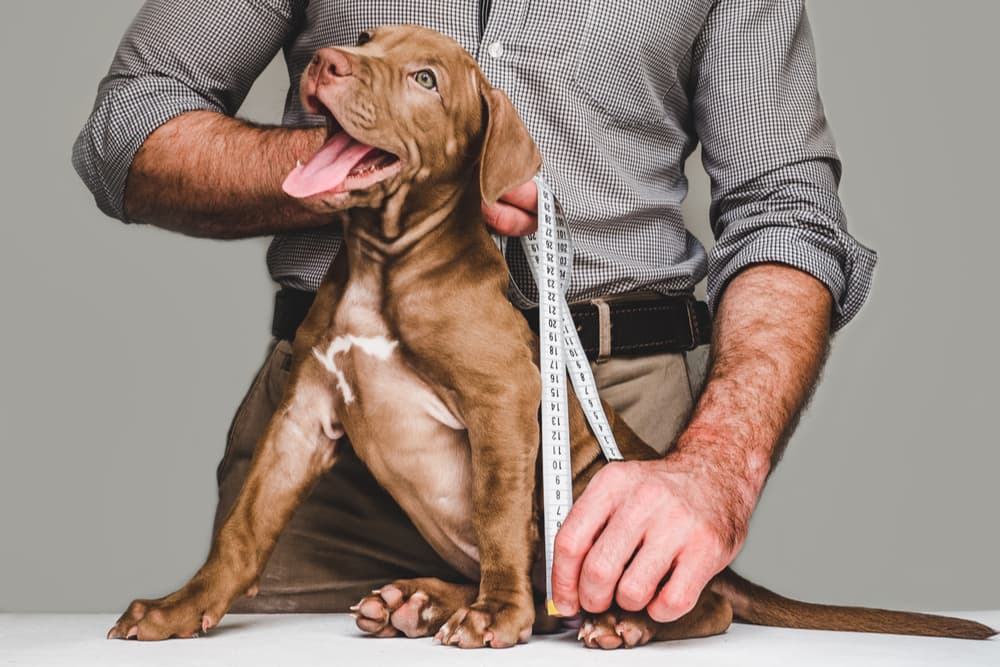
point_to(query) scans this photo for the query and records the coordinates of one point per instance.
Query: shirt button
(495, 50)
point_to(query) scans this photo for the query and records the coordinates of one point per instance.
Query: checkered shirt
(616, 94)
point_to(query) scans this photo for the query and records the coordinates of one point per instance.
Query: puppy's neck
(434, 224)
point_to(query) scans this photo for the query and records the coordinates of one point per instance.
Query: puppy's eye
(426, 78)
(364, 38)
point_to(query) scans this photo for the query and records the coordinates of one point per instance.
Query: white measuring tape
(550, 254)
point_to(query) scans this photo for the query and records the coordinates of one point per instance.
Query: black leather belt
(638, 327)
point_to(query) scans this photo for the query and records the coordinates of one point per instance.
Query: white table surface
(331, 640)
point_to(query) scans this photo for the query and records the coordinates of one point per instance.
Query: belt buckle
(603, 329)
(692, 320)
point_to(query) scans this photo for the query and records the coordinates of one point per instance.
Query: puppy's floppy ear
(509, 156)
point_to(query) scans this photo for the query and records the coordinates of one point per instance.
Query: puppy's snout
(327, 67)
(330, 63)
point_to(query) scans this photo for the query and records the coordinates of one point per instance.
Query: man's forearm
(770, 341)
(206, 174)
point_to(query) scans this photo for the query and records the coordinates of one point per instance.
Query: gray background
(125, 350)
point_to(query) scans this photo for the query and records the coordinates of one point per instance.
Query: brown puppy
(413, 350)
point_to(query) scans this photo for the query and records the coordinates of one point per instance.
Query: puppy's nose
(331, 62)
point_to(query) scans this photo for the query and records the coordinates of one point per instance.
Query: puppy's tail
(755, 604)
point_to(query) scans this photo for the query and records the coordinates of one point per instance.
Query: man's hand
(685, 517)
(639, 521)
(515, 213)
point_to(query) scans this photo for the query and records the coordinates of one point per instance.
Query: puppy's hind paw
(412, 607)
(373, 613)
(616, 629)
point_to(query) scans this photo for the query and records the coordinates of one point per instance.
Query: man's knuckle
(598, 573)
(567, 546)
(650, 495)
(631, 595)
(680, 601)
(611, 473)
(703, 536)
(707, 543)
(719, 551)
(561, 580)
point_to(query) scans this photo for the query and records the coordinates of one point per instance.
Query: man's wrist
(721, 455)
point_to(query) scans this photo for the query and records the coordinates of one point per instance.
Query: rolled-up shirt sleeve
(769, 152)
(177, 56)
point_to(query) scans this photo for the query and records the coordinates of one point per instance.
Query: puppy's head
(408, 110)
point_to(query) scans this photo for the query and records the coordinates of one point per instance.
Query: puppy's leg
(617, 628)
(503, 435)
(413, 607)
(296, 449)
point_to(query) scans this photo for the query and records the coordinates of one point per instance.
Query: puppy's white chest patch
(379, 347)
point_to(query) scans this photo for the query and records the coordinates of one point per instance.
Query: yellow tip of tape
(550, 607)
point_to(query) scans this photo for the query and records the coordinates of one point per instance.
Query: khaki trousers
(350, 536)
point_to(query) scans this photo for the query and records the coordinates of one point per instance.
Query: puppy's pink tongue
(327, 169)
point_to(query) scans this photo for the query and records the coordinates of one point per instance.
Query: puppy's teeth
(298, 164)
(355, 607)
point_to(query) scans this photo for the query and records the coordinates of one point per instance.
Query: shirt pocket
(629, 56)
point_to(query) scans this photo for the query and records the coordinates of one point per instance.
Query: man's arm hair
(770, 339)
(206, 174)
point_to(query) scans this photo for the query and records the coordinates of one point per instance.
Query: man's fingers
(515, 213)
(680, 594)
(573, 541)
(509, 220)
(524, 197)
(571, 548)
(604, 563)
(643, 575)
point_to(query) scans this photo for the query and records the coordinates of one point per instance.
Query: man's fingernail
(559, 608)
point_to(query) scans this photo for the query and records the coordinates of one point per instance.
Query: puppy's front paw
(489, 623)
(183, 614)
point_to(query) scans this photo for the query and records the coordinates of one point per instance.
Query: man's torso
(604, 91)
